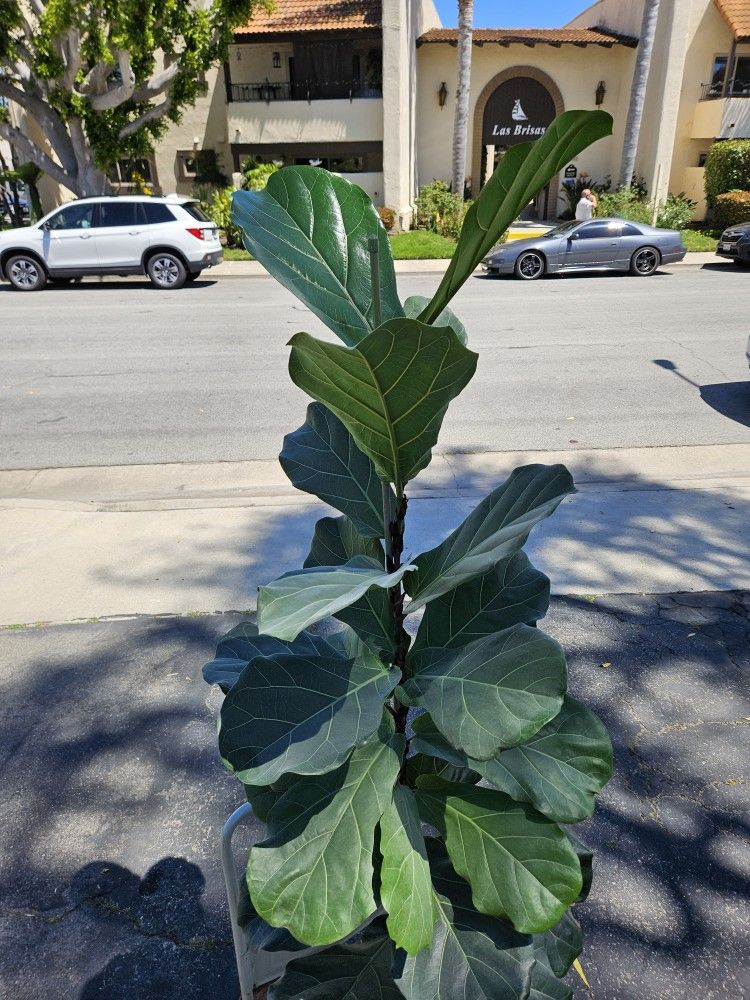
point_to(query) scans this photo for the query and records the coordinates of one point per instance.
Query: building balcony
(284, 120)
(266, 91)
(715, 91)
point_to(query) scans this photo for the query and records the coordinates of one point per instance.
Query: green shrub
(440, 210)
(218, 207)
(387, 217)
(255, 174)
(315, 720)
(207, 169)
(624, 203)
(732, 208)
(727, 168)
(676, 212)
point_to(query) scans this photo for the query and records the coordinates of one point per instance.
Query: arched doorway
(516, 106)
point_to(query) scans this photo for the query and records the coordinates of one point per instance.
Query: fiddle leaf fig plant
(400, 724)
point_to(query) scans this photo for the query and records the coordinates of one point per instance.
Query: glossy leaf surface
(561, 945)
(405, 882)
(560, 769)
(321, 458)
(314, 873)
(415, 305)
(512, 593)
(334, 543)
(362, 970)
(519, 864)
(523, 171)
(303, 597)
(301, 714)
(310, 230)
(495, 529)
(473, 956)
(494, 693)
(391, 391)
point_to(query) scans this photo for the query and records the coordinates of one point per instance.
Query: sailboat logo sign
(519, 109)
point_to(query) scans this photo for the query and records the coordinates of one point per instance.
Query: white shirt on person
(584, 210)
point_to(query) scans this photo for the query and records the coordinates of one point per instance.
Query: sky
(503, 14)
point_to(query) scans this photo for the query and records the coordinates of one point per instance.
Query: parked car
(600, 244)
(169, 239)
(735, 244)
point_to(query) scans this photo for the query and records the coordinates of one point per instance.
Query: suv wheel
(26, 274)
(166, 270)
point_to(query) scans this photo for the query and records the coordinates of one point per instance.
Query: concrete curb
(253, 269)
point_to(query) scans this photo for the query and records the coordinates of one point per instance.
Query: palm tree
(461, 123)
(638, 91)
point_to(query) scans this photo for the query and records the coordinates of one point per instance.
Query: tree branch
(72, 50)
(47, 119)
(116, 96)
(158, 83)
(32, 153)
(152, 115)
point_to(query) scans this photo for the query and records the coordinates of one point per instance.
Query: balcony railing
(735, 88)
(308, 91)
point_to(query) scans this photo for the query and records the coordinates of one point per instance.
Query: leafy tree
(315, 720)
(103, 80)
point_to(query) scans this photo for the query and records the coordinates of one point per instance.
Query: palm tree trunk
(461, 124)
(638, 91)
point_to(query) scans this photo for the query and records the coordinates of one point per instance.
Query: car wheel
(26, 274)
(530, 265)
(644, 261)
(167, 271)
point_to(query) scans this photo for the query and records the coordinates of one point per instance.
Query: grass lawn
(419, 244)
(700, 240)
(236, 253)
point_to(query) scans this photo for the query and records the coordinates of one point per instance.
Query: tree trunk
(461, 124)
(638, 91)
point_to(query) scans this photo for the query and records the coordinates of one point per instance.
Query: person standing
(586, 206)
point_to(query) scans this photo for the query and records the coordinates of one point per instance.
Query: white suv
(169, 239)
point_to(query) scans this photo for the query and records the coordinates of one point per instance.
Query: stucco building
(366, 88)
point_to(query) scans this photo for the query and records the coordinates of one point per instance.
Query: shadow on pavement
(108, 751)
(108, 284)
(730, 399)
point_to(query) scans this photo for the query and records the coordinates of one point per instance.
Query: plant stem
(373, 247)
(387, 524)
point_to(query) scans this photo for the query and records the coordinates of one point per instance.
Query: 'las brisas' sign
(519, 110)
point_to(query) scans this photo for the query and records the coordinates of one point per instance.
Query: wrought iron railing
(735, 88)
(268, 91)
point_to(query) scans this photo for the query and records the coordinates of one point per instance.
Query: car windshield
(565, 227)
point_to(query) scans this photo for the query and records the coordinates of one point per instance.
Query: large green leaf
(561, 945)
(512, 593)
(321, 458)
(415, 305)
(495, 529)
(361, 970)
(301, 714)
(494, 693)
(391, 391)
(523, 171)
(305, 596)
(310, 230)
(334, 543)
(420, 764)
(243, 643)
(560, 769)
(473, 956)
(314, 873)
(518, 863)
(258, 933)
(545, 985)
(405, 883)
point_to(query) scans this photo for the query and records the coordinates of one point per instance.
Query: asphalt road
(113, 372)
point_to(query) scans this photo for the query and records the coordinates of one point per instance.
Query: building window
(718, 73)
(132, 175)
(702, 159)
(187, 165)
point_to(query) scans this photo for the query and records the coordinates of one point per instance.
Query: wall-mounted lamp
(442, 94)
(277, 60)
(237, 135)
(601, 90)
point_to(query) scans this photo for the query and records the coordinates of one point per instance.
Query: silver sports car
(611, 244)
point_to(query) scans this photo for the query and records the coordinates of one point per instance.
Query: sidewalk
(178, 539)
(253, 269)
(113, 797)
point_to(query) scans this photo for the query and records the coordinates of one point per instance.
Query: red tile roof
(315, 15)
(533, 36)
(737, 15)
